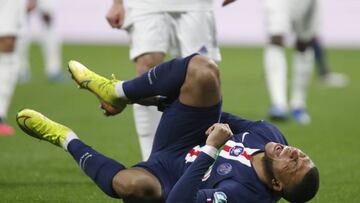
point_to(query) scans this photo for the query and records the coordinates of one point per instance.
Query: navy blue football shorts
(180, 129)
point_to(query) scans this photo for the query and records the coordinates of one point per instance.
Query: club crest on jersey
(224, 169)
(236, 150)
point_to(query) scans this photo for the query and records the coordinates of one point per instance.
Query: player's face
(288, 164)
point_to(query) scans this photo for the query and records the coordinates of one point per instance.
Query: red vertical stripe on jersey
(226, 148)
(194, 152)
(246, 155)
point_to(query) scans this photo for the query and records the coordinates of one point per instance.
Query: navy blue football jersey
(232, 178)
(188, 175)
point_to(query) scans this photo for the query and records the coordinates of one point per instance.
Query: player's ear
(276, 185)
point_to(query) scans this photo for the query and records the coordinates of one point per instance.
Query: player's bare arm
(116, 13)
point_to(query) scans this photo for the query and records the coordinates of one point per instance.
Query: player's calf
(99, 168)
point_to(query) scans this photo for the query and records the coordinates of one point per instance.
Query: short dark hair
(305, 190)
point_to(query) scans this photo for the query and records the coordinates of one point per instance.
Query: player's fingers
(114, 24)
(112, 20)
(229, 129)
(210, 129)
(109, 20)
(223, 126)
(117, 23)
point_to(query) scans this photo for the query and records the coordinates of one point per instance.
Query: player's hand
(115, 15)
(226, 2)
(218, 134)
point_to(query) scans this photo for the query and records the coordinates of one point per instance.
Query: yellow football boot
(39, 126)
(102, 87)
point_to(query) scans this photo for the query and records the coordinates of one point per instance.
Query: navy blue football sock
(321, 65)
(98, 167)
(165, 79)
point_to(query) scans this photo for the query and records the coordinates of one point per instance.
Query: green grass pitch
(34, 171)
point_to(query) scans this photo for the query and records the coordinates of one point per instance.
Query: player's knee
(7, 44)
(47, 19)
(136, 186)
(202, 83)
(147, 61)
(203, 71)
(302, 45)
(125, 186)
(277, 40)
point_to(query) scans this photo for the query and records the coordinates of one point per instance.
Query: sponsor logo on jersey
(220, 197)
(224, 169)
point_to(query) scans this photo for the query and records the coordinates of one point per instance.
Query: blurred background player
(12, 14)
(283, 16)
(51, 46)
(326, 76)
(156, 27)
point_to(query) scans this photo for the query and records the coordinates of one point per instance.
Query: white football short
(12, 17)
(298, 16)
(177, 33)
(46, 6)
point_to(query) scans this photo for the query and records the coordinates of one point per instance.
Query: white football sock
(276, 75)
(22, 47)
(68, 138)
(51, 51)
(9, 66)
(119, 91)
(146, 122)
(302, 70)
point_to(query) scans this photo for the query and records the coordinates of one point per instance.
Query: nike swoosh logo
(85, 83)
(243, 136)
(25, 128)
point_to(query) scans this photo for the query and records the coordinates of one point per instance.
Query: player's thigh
(305, 19)
(195, 31)
(7, 44)
(182, 127)
(12, 17)
(277, 17)
(148, 33)
(146, 61)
